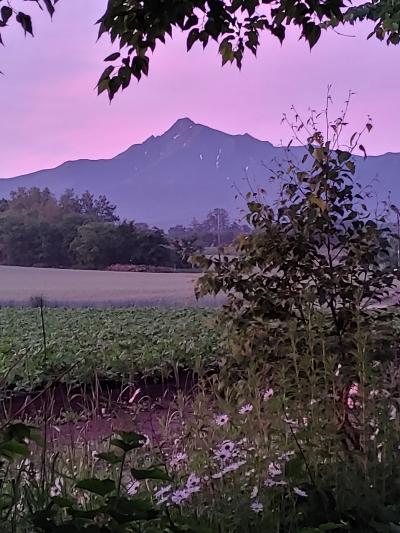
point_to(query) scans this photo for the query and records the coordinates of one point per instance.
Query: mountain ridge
(193, 162)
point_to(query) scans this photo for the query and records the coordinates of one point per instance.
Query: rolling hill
(187, 171)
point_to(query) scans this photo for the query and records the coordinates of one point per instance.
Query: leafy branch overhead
(138, 26)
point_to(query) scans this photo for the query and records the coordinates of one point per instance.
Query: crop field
(18, 285)
(104, 344)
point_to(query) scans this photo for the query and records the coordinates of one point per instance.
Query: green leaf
(343, 156)
(129, 441)
(110, 457)
(154, 472)
(101, 487)
(121, 508)
(63, 502)
(12, 449)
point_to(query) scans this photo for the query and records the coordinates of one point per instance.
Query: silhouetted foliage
(138, 27)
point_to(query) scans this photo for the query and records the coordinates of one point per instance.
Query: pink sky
(50, 112)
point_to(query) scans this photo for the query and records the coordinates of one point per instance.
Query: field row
(108, 344)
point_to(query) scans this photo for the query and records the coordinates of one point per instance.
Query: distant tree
(95, 245)
(138, 27)
(34, 202)
(104, 210)
(3, 205)
(97, 208)
(69, 202)
(19, 241)
(215, 230)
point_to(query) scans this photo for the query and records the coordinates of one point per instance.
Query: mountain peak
(182, 125)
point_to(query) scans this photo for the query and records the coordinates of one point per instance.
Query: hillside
(185, 172)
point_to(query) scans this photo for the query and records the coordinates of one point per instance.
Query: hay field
(96, 288)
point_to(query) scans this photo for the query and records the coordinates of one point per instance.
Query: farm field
(114, 344)
(18, 285)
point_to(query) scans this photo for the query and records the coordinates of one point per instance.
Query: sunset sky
(50, 112)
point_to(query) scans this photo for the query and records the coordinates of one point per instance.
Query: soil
(93, 413)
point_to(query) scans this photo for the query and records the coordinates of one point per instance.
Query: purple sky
(50, 112)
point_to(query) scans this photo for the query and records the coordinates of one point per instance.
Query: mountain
(185, 172)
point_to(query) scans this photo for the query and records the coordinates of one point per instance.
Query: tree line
(82, 231)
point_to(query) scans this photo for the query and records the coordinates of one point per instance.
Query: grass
(108, 344)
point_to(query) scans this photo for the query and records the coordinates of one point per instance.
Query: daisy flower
(254, 493)
(178, 458)
(274, 470)
(245, 409)
(56, 489)
(180, 496)
(160, 493)
(193, 481)
(257, 507)
(133, 487)
(300, 492)
(221, 420)
(268, 394)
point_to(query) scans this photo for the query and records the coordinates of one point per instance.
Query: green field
(109, 344)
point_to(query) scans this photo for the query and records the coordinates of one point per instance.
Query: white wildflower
(254, 493)
(233, 466)
(374, 434)
(221, 420)
(180, 496)
(300, 492)
(245, 409)
(337, 372)
(178, 458)
(132, 488)
(274, 470)
(273, 483)
(222, 455)
(224, 450)
(267, 395)
(160, 493)
(286, 455)
(227, 446)
(354, 389)
(56, 489)
(291, 422)
(392, 412)
(193, 481)
(257, 507)
(350, 403)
